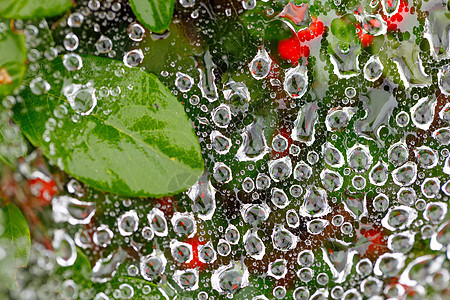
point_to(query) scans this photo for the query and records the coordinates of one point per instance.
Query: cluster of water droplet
(307, 194)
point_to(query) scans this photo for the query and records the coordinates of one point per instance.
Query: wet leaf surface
(136, 143)
(31, 9)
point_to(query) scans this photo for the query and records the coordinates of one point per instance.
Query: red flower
(195, 262)
(295, 47)
(43, 189)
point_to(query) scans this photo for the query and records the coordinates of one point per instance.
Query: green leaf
(13, 55)
(33, 9)
(15, 243)
(153, 14)
(137, 141)
(344, 28)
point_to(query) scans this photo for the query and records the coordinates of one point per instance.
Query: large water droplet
(296, 82)
(81, 98)
(74, 211)
(303, 130)
(422, 113)
(315, 203)
(260, 64)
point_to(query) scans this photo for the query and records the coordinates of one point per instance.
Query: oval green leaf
(13, 55)
(33, 9)
(137, 140)
(15, 241)
(153, 14)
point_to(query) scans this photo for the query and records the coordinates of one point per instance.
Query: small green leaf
(33, 9)
(153, 14)
(13, 55)
(15, 243)
(344, 28)
(122, 130)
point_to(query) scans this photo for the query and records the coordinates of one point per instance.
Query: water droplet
(444, 80)
(406, 174)
(381, 202)
(181, 252)
(399, 217)
(316, 226)
(253, 245)
(406, 196)
(331, 180)
(74, 211)
(315, 203)
(203, 196)
(157, 222)
(81, 98)
(103, 236)
(254, 145)
(390, 8)
(301, 293)
(222, 173)
(292, 218)
(389, 264)
(279, 143)
(184, 82)
(206, 253)
(39, 86)
(133, 58)
(248, 4)
(232, 234)
(184, 224)
(255, 214)
(64, 248)
(104, 44)
(279, 198)
(422, 112)
(223, 247)
(220, 143)
(332, 156)
(302, 172)
(378, 175)
(359, 158)
(435, 212)
(398, 153)
(221, 116)
(71, 41)
(260, 65)
(152, 266)
(187, 279)
(72, 62)
(401, 242)
(277, 269)
(230, 279)
(262, 181)
(283, 239)
(75, 20)
(296, 82)
(442, 136)
(136, 32)
(128, 223)
(280, 169)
